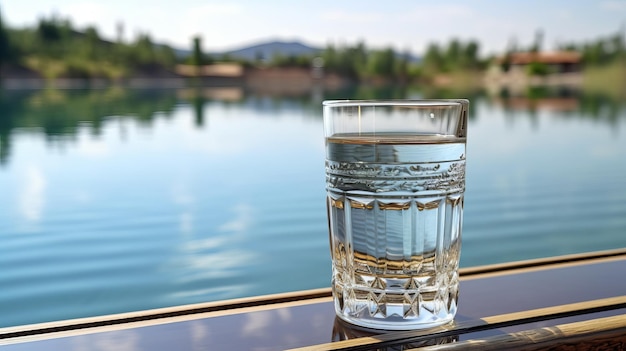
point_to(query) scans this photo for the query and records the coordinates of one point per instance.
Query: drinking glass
(395, 179)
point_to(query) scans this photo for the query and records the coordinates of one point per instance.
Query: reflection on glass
(344, 331)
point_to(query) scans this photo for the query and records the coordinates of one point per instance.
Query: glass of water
(395, 179)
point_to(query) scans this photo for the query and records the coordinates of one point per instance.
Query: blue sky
(402, 24)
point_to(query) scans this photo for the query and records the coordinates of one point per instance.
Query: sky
(402, 24)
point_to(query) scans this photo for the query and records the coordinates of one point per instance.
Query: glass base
(397, 324)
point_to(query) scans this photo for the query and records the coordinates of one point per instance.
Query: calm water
(121, 200)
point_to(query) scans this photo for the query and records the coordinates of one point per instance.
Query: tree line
(601, 51)
(55, 48)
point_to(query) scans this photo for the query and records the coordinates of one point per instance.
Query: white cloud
(209, 20)
(411, 28)
(439, 14)
(201, 18)
(351, 16)
(564, 14)
(226, 25)
(86, 12)
(215, 9)
(613, 5)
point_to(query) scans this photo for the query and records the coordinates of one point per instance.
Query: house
(519, 70)
(555, 61)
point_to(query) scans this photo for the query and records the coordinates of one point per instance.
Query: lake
(115, 200)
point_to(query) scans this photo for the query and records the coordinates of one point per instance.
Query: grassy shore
(607, 80)
(52, 69)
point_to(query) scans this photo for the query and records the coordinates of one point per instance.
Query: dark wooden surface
(301, 323)
(607, 333)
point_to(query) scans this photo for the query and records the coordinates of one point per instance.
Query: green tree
(330, 57)
(347, 61)
(402, 65)
(354, 61)
(351, 61)
(433, 59)
(197, 56)
(5, 46)
(453, 54)
(382, 63)
(143, 52)
(594, 53)
(53, 36)
(537, 69)
(166, 56)
(617, 45)
(602, 50)
(92, 43)
(537, 44)
(279, 60)
(469, 57)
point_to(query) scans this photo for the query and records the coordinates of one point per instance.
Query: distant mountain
(267, 50)
(263, 50)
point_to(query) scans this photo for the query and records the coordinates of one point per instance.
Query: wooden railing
(575, 302)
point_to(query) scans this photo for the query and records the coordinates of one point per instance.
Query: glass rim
(397, 102)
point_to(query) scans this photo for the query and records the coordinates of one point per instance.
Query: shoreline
(296, 82)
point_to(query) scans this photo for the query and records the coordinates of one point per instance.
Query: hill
(264, 50)
(267, 50)
(272, 48)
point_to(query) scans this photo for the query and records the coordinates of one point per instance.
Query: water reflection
(58, 114)
(167, 197)
(344, 331)
(124, 340)
(567, 102)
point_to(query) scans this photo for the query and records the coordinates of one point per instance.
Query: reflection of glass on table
(345, 331)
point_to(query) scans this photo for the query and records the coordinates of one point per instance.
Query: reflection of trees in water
(60, 114)
(363, 92)
(566, 102)
(198, 102)
(602, 107)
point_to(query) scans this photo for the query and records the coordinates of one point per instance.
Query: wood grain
(493, 322)
(607, 333)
